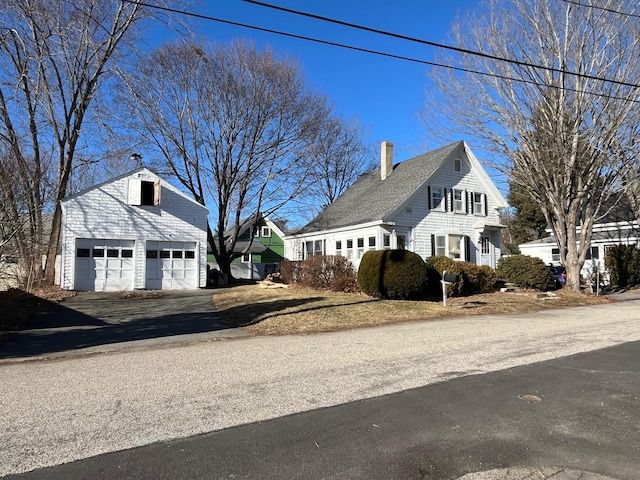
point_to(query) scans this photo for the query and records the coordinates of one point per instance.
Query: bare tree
(552, 118)
(234, 125)
(54, 54)
(340, 156)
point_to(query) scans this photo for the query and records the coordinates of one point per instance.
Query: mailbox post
(447, 278)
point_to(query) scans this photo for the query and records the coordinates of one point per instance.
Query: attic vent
(408, 210)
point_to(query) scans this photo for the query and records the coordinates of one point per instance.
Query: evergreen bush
(471, 277)
(524, 271)
(623, 262)
(392, 274)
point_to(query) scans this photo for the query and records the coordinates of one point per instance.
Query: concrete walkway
(77, 407)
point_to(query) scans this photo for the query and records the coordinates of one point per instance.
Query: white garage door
(104, 265)
(171, 266)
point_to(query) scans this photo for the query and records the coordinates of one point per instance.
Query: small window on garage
(98, 252)
(152, 253)
(177, 254)
(112, 253)
(189, 254)
(83, 252)
(165, 253)
(127, 253)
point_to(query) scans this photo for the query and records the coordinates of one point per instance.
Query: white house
(133, 232)
(617, 227)
(438, 203)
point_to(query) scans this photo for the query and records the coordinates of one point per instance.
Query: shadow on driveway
(92, 319)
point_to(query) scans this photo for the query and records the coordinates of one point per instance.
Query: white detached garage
(133, 232)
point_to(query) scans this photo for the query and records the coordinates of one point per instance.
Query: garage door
(104, 265)
(171, 266)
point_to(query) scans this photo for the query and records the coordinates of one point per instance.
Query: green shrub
(471, 277)
(524, 271)
(392, 274)
(623, 262)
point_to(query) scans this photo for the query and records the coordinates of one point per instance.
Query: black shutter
(429, 195)
(445, 199)
(467, 248)
(466, 201)
(433, 245)
(486, 207)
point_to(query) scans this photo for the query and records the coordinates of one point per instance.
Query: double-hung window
(458, 201)
(339, 247)
(437, 198)
(452, 246)
(350, 249)
(478, 204)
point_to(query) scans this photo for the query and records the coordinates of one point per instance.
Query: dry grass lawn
(296, 310)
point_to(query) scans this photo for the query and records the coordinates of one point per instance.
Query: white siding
(104, 213)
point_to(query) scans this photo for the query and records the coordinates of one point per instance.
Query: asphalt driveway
(98, 322)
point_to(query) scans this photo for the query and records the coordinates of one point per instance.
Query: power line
(440, 45)
(373, 52)
(610, 10)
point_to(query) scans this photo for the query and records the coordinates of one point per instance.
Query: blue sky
(383, 93)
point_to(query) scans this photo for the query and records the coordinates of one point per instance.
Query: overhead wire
(440, 45)
(604, 9)
(385, 54)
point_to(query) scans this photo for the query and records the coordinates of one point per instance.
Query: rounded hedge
(524, 271)
(392, 274)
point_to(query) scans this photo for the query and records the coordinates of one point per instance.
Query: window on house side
(265, 232)
(457, 164)
(386, 241)
(372, 243)
(350, 249)
(441, 245)
(451, 246)
(436, 199)
(555, 254)
(458, 201)
(360, 247)
(339, 247)
(478, 204)
(246, 258)
(593, 253)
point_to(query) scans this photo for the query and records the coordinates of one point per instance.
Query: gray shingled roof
(372, 199)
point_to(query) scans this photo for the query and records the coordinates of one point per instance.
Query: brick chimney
(386, 159)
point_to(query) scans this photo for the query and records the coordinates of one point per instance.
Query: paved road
(72, 408)
(579, 412)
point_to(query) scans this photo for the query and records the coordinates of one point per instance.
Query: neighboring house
(133, 232)
(264, 253)
(438, 203)
(617, 227)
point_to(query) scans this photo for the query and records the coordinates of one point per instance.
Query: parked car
(559, 275)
